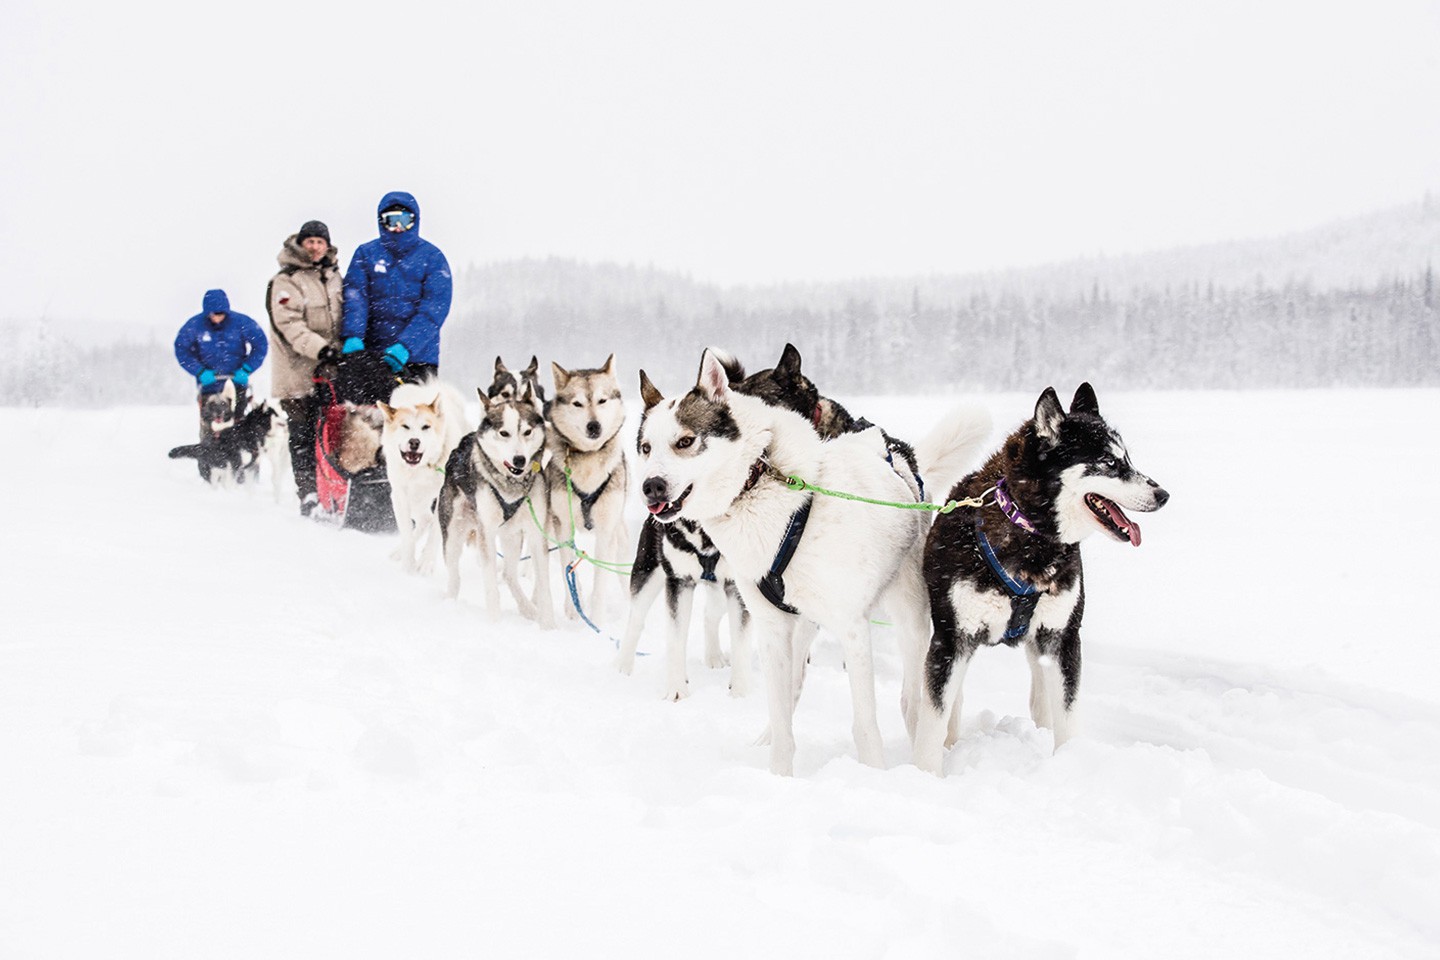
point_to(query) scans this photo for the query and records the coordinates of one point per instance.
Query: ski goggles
(397, 221)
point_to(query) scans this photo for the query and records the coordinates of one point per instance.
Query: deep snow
(229, 732)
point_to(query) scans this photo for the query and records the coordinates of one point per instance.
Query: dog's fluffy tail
(948, 452)
(189, 450)
(734, 369)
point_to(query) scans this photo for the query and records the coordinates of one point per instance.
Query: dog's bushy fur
(1069, 475)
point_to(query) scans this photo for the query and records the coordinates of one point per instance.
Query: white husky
(721, 458)
(424, 423)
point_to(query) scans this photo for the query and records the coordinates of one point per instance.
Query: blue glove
(353, 345)
(206, 378)
(396, 356)
(241, 376)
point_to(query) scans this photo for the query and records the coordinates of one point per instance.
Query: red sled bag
(358, 500)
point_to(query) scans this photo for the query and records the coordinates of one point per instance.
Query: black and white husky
(493, 482)
(679, 559)
(507, 384)
(720, 457)
(587, 474)
(1009, 572)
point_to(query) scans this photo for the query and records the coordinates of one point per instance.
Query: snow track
(229, 732)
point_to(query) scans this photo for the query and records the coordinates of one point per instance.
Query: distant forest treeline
(859, 339)
(1353, 303)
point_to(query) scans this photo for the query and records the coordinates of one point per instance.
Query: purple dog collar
(1010, 508)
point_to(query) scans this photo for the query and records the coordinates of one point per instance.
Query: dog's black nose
(414, 443)
(656, 490)
(518, 460)
(592, 429)
(1161, 495)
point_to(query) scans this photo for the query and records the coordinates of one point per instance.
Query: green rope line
(796, 483)
(613, 566)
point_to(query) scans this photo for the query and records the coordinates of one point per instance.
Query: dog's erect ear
(713, 382)
(562, 376)
(531, 370)
(432, 408)
(1048, 416)
(528, 394)
(500, 366)
(789, 364)
(609, 368)
(386, 409)
(1085, 401)
(648, 392)
(484, 398)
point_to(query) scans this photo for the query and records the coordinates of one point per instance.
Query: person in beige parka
(304, 300)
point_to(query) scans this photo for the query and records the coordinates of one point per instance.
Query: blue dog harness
(1023, 595)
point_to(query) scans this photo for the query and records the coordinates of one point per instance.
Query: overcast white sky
(153, 151)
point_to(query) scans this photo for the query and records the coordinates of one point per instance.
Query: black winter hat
(313, 228)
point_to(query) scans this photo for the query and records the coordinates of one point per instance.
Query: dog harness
(772, 585)
(1023, 595)
(507, 510)
(587, 502)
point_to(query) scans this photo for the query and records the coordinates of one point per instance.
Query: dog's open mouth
(514, 470)
(1113, 519)
(667, 510)
(411, 457)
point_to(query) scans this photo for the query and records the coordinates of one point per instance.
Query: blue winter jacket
(222, 347)
(397, 290)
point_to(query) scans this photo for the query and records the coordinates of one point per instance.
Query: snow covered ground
(229, 732)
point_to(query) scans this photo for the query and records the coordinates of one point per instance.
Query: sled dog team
(739, 475)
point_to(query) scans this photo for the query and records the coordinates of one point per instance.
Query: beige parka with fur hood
(304, 300)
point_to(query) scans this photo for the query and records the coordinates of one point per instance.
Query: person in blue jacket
(397, 293)
(218, 343)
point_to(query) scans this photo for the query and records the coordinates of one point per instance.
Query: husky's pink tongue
(657, 507)
(1124, 526)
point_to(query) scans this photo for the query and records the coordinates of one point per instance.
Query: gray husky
(493, 482)
(1008, 572)
(586, 473)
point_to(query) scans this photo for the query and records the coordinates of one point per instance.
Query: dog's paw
(716, 660)
(625, 663)
(677, 693)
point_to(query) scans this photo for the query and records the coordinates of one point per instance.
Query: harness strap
(507, 510)
(1023, 595)
(587, 502)
(772, 585)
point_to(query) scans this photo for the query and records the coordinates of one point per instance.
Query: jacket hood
(216, 302)
(400, 242)
(293, 255)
